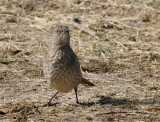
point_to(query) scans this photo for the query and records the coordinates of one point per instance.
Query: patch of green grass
(68, 9)
(21, 38)
(2, 58)
(131, 2)
(98, 48)
(94, 46)
(99, 35)
(101, 50)
(41, 43)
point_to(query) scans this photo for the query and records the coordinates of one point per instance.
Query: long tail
(86, 83)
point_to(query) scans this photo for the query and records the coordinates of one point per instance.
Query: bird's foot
(48, 104)
(77, 102)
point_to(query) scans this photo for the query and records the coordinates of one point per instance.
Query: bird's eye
(57, 31)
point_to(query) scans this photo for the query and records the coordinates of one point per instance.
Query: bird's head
(60, 35)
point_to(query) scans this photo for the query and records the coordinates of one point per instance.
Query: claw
(48, 104)
(77, 102)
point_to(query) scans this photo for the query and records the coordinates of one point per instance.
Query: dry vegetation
(117, 43)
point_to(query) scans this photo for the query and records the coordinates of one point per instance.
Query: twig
(4, 38)
(124, 112)
(125, 25)
(120, 24)
(84, 29)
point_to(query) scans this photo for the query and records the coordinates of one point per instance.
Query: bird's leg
(53, 96)
(75, 89)
(49, 103)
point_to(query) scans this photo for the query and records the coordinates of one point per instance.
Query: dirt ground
(117, 43)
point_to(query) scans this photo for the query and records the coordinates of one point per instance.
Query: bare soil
(117, 43)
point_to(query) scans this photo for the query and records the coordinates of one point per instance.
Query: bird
(61, 66)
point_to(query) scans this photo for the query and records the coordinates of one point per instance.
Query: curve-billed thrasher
(61, 65)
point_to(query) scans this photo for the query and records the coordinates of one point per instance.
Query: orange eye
(57, 31)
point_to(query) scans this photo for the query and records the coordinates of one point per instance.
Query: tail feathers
(86, 83)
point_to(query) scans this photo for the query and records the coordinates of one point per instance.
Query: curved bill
(68, 29)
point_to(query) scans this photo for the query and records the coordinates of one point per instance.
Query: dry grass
(117, 43)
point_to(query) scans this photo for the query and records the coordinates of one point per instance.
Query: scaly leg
(75, 89)
(49, 103)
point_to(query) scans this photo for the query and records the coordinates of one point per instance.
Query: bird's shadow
(106, 100)
(87, 103)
